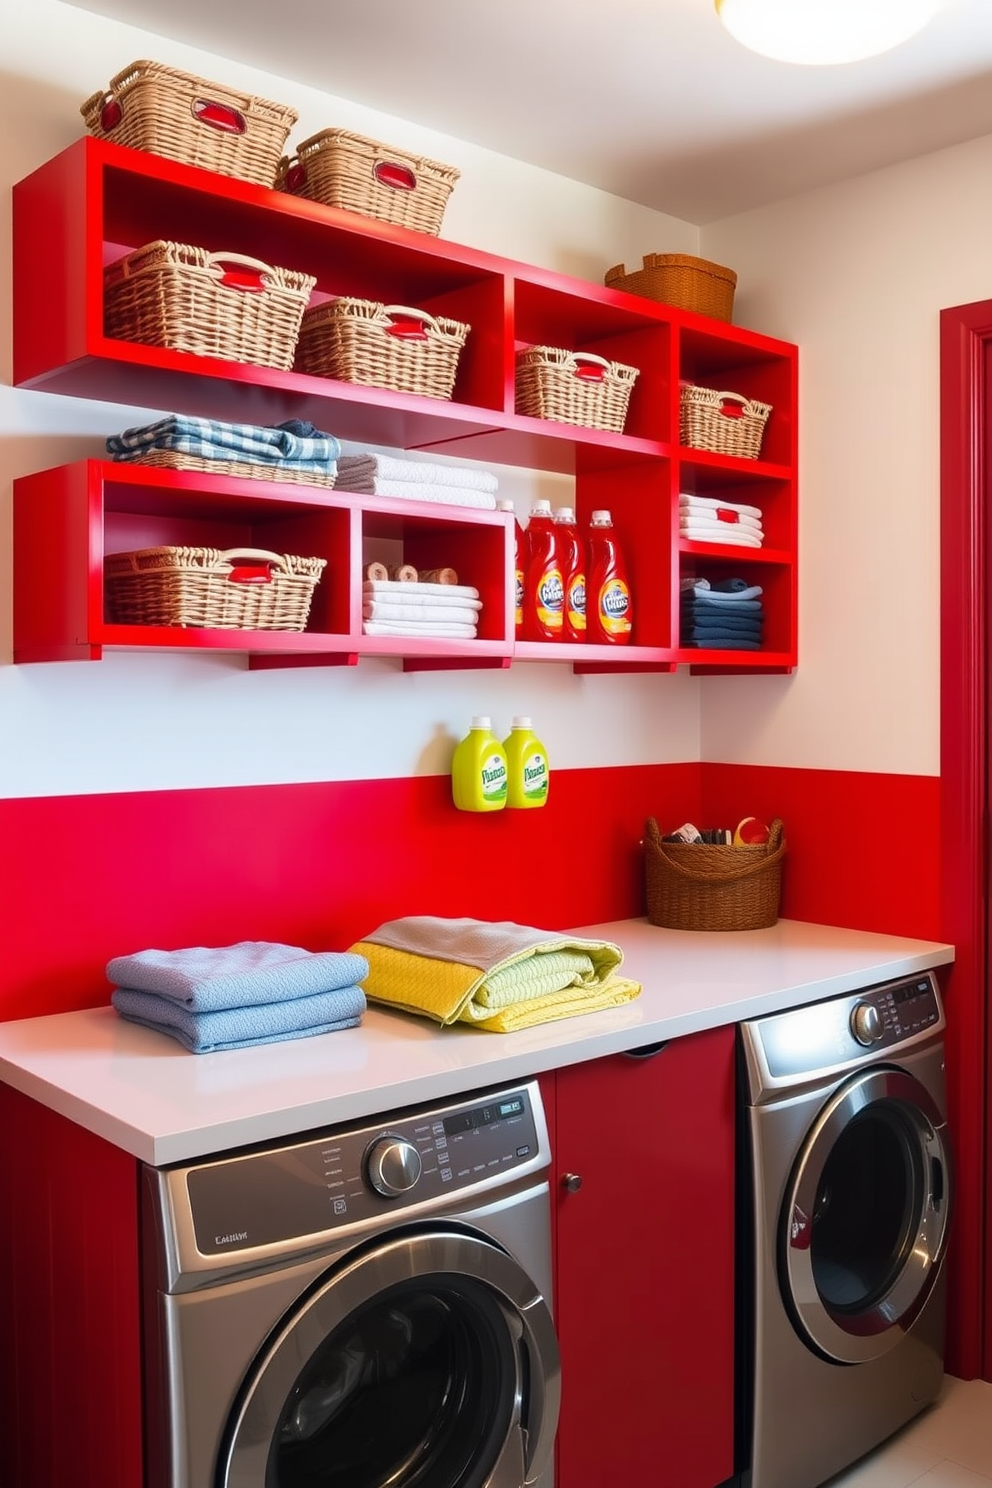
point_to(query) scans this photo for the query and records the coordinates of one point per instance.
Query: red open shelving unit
(97, 201)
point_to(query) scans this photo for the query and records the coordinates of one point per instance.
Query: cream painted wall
(141, 723)
(857, 274)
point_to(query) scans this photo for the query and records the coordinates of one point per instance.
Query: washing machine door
(427, 1361)
(864, 1222)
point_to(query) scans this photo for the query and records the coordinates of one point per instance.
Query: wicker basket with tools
(345, 170)
(237, 589)
(573, 387)
(152, 107)
(387, 346)
(681, 280)
(698, 886)
(725, 423)
(210, 304)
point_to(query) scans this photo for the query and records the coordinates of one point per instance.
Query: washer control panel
(842, 1031)
(345, 1177)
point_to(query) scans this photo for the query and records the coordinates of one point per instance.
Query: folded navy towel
(701, 606)
(207, 978)
(731, 622)
(727, 642)
(240, 1027)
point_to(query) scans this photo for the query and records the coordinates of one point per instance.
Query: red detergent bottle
(609, 611)
(544, 595)
(519, 567)
(572, 552)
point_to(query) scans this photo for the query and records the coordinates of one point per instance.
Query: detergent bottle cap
(503, 505)
(522, 721)
(482, 721)
(565, 514)
(602, 519)
(541, 507)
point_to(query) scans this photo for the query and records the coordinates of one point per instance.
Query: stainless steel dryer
(358, 1308)
(847, 1197)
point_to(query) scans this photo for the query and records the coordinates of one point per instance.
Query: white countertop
(145, 1093)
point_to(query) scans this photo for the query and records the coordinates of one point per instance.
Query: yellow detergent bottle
(527, 762)
(478, 770)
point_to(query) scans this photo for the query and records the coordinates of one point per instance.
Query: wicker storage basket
(211, 304)
(152, 107)
(723, 422)
(388, 346)
(174, 460)
(341, 169)
(694, 886)
(573, 387)
(679, 279)
(240, 589)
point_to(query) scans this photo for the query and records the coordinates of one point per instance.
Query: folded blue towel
(240, 1027)
(205, 979)
(746, 624)
(703, 592)
(210, 439)
(727, 642)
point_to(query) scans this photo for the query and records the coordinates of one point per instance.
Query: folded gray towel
(208, 978)
(240, 1027)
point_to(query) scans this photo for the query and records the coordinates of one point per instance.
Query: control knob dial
(866, 1023)
(393, 1166)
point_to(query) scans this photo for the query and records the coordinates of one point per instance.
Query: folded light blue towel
(240, 1027)
(205, 979)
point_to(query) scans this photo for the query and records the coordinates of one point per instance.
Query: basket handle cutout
(258, 570)
(296, 175)
(250, 274)
(732, 405)
(111, 114)
(219, 116)
(407, 324)
(590, 367)
(391, 173)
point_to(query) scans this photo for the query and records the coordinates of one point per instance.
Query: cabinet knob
(571, 1182)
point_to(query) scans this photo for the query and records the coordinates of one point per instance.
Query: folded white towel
(369, 467)
(419, 491)
(389, 609)
(710, 504)
(721, 532)
(411, 628)
(721, 518)
(436, 593)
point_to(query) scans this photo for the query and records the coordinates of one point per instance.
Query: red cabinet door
(645, 1266)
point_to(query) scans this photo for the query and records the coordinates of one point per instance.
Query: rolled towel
(388, 609)
(434, 593)
(419, 628)
(367, 468)
(209, 978)
(240, 1027)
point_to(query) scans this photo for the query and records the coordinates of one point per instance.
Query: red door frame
(966, 611)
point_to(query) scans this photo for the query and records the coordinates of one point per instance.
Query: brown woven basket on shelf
(237, 589)
(573, 387)
(725, 423)
(211, 304)
(174, 460)
(152, 107)
(695, 886)
(387, 346)
(341, 169)
(681, 280)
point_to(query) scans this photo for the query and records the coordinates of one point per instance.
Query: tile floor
(949, 1446)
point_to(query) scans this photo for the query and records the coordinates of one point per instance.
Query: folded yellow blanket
(499, 976)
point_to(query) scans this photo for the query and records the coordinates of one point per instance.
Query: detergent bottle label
(519, 599)
(551, 599)
(535, 778)
(493, 776)
(614, 607)
(575, 602)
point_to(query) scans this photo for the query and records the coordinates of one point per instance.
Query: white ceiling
(650, 99)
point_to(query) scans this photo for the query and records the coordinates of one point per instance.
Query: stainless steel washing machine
(846, 1198)
(358, 1308)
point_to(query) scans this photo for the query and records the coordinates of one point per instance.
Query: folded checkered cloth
(209, 439)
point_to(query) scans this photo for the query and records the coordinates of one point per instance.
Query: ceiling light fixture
(820, 32)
